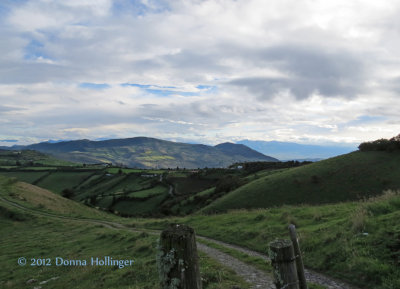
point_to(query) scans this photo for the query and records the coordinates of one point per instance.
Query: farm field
(343, 233)
(30, 158)
(211, 144)
(132, 192)
(29, 235)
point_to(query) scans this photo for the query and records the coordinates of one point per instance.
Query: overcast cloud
(202, 71)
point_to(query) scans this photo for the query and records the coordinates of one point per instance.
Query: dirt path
(254, 276)
(311, 276)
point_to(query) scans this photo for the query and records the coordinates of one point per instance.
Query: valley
(345, 208)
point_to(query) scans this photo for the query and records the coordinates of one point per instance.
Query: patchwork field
(347, 231)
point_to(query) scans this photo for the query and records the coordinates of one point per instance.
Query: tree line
(382, 144)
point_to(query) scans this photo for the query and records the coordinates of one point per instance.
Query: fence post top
(177, 230)
(280, 243)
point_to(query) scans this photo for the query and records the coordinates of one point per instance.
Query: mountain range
(144, 152)
(295, 151)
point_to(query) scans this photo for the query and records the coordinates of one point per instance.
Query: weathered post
(299, 259)
(283, 262)
(177, 258)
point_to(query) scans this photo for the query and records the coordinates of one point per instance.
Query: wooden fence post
(284, 266)
(177, 258)
(299, 259)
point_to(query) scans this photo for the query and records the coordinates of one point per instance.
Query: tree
(68, 193)
(389, 145)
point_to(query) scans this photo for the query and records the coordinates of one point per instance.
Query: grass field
(49, 239)
(28, 235)
(128, 171)
(29, 177)
(145, 208)
(149, 192)
(352, 176)
(190, 185)
(29, 158)
(43, 200)
(58, 181)
(104, 185)
(355, 241)
(134, 182)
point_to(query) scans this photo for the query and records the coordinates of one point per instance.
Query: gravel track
(254, 276)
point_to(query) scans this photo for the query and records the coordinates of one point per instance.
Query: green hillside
(26, 158)
(354, 241)
(348, 177)
(37, 198)
(132, 192)
(30, 234)
(143, 152)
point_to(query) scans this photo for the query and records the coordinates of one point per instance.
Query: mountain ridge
(296, 151)
(146, 152)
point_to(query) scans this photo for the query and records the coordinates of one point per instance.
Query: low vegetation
(29, 158)
(45, 238)
(355, 241)
(346, 210)
(348, 177)
(388, 145)
(31, 235)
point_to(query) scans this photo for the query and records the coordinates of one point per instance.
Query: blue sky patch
(208, 88)
(366, 119)
(96, 86)
(171, 90)
(138, 8)
(136, 85)
(35, 50)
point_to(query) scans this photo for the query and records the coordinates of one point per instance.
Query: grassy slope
(58, 181)
(25, 157)
(28, 177)
(41, 238)
(355, 241)
(40, 199)
(32, 236)
(348, 177)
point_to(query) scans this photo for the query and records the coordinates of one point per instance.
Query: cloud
(208, 70)
(307, 71)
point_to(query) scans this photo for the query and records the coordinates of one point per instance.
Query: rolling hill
(40, 228)
(352, 176)
(29, 158)
(143, 152)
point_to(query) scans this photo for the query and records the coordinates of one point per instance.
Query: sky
(305, 71)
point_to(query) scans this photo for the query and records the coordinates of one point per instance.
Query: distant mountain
(241, 150)
(57, 140)
(295, 151)
(143, 152)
